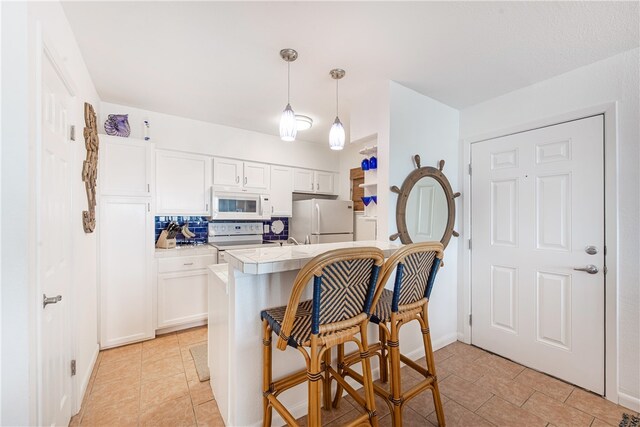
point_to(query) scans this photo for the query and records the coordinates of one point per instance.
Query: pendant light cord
(337, 98)
(288, 82)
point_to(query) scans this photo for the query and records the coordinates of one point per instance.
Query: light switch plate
(266, 228)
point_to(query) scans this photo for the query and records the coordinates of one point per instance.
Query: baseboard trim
(84, 384)
(628, 401)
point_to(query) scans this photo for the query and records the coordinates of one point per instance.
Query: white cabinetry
(229, 174)
(310, 181)
(125, 166)
(182, 290)
(183, 183)
(126, 286)
(281, 191)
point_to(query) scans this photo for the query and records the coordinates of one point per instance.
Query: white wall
(613, 79)
(179, 133)
(351, 158)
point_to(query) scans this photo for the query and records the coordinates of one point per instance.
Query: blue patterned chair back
(345, 284)
(416, 266)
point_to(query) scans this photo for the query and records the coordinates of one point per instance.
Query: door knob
(591, 269)
(50, 300)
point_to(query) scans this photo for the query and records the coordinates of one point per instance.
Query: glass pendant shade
(288, 125)
(336, 135)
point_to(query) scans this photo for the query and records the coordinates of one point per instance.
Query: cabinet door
(183, 183)
(281, 191)
(303, 181)
(182, 297)
(125, 167)
(324, 182)
(126, 252)
(257, 176)
(227, 173)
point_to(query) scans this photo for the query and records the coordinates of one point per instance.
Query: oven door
(237, 206)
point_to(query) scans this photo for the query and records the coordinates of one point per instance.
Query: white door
(227, 173)
(125, 167)
(183, 183)
(54, 249)
(281, 191)
(126, 287)
(257, 176)
(537, 208)
(324, 182)
(303, 180)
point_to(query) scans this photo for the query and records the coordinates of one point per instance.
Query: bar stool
(345, 285)
(416, 266)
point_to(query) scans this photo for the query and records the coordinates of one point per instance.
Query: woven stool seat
(382, 313)
(301, 332)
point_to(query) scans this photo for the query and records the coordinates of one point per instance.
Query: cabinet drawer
(166, 265)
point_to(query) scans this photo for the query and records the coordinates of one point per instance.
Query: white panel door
(182, 297)
(323, 182)
(303, 180)
(125, 167)
(126, 251)
(183, 183)
(537, 204)
(257, 176)
(54, 250)
(281, 191)
(227, 173)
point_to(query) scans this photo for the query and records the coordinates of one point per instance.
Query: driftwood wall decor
(90, 167)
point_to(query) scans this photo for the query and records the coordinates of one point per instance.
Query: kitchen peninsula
(253, 280)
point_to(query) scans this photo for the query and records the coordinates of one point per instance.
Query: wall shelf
(368, 184)
(367, 151)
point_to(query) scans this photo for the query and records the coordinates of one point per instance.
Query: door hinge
(469, 244)
(469, 168)
(72, 133)
(605, 269)
(73, 367)
(469, 319)
(605, 250)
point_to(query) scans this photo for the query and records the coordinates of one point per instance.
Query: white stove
(235, 235)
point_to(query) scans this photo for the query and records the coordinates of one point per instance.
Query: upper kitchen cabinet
(310, 181)
(232, 175)
(281, 191)
(125, 166)
(183, 183)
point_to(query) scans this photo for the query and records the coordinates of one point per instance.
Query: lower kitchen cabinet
(182, 290)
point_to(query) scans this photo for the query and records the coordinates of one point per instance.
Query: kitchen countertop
(185, 251)
(287, 258)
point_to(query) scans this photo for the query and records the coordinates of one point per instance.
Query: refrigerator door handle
(318, 218)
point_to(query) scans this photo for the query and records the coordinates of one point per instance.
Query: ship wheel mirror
(425, 210)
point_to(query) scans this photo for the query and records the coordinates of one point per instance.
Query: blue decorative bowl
(374, 199)
(373, 162)
(365, 165)
(366, 200)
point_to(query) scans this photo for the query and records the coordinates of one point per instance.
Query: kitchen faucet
(292, 240)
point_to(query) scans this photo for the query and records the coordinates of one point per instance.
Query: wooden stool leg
(314, 377)
(384, 359)
(431, 367)
(340, 370)
(366, 376)
(266, 373)
(396, 385)
(326, 386)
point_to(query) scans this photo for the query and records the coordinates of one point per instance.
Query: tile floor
(155, 383)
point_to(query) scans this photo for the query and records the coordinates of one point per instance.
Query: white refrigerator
(322, 221)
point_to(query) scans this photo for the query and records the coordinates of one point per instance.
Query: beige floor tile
(173, 413)
(114, 391)
(502, 413)
(382, 408)
(161, 340)
(456, 415)
(191, 336)
(497, 366)
(423, 403)
(161, 351)
(460, 366)
(510, 390)
(114, 371)
(127, 352)
(120, 413)
(442, 354)
(599, 423)
(162, 390)
(186, 354)
(410, 418)
(207, 414)
(597, 406)
(190, 370)
(333, 414)
(466, 351)
(553, 411)
(466, 393)
(200, 391)
(552, 387)
(160, 368)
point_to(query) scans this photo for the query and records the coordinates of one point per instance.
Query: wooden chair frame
(318, 358)
(388, 348)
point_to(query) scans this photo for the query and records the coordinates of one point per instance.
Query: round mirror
(425, 210)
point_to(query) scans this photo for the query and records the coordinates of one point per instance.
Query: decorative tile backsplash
(199, 226)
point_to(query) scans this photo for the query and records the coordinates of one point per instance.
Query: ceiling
(219, 61)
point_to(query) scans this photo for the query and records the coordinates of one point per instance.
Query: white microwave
(227, 205)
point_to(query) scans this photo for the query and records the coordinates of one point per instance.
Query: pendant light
(336, 134)
(288, 125)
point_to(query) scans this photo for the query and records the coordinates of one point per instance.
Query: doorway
(538, 260)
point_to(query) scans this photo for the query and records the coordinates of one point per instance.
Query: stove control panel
(234, 228)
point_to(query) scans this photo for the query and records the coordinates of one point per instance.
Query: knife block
(165, 243)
